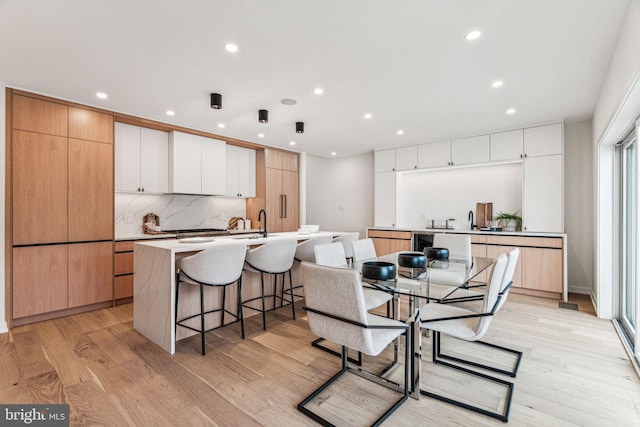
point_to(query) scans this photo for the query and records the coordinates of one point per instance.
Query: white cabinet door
(543, 140)
(127, 157)
(384, 210)
(434, 154)
(214, 173)
(185, 163)
(468, 151)
(542, 194)
(241, 172)
(154, 161)
(406, 158)
(506, 145)
(384, 160)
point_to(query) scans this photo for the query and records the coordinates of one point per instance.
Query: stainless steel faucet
(262, 211)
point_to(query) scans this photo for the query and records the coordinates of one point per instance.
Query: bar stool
(305, 251)
(271, 258)
(217, 267)
(346, 240)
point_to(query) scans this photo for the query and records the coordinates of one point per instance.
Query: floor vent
(568, 305)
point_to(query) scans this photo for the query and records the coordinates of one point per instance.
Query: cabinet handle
(285, 205)
(281, 200)
(525, 155)
(143, 189)
(415, 167)
(393, 169)
(520, 155)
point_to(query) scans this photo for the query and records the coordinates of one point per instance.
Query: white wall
(452, 193)
(618, 104)
(3, 104)
(578, 203)
(339, 193)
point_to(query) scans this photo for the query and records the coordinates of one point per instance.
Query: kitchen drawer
(124, 246)
(386, 234)
(123, 263)
(524, 241)
(123, 287)
(478, 238)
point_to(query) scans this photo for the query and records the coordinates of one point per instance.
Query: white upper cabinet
(543, 140)
(241, 172)
(141, 159)
(434, 154)
(384, 199)
(542, 197)
(196, 164)
(406, 158)
(214, 160)
(385, 160)
(506, 145)
(467, 151)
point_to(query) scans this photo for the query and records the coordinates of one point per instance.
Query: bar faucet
(470, 218)
(262, 211)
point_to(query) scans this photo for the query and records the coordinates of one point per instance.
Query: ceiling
(407, 63)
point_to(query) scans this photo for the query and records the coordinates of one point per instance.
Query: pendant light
(216, 101)
(263, 116)
(299, 127)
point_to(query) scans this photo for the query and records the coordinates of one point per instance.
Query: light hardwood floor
(574, 372)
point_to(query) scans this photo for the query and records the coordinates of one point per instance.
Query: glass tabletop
(411, 282)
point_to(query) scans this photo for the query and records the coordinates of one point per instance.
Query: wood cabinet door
(480, 250)
(90, 125)
(39, 193)
(39, 279)
(273, 158)
(291, 202)
(90, 273)
(542, 269)
(381, 245)
(494, 251)
(397, 245)
(289, 161)
(39, 116)
(90, 190)
(274, 199)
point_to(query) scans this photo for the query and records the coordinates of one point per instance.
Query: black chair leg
(202, 330)
(224, 303)
(264, 311)
(293, 308)
(240, 313)
(175, 325)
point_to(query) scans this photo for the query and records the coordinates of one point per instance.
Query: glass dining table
(417, 286)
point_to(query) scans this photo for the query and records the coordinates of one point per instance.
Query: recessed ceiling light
(230, 47)
(497, 83)
(221, 125)
(400, 132)
(473, 35)
(368, 116)
(288, 101)
(292, 143)
(171, 113)
(511, 111)
(318, 91)
(261, 135)
(101, 95)
(333, 153)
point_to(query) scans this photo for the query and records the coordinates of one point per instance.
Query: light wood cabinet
(90, 125)
(387, 241)
(472, 150)
(241, 172)
(494, 251)
(39, 188)
(507, 145)
(90, 191)
(35, 115)
(282, 205)
(282, 160)
(141, 159)
(542, 269)
(90, 273)
(39, 279)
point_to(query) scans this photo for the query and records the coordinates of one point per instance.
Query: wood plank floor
(574, 373)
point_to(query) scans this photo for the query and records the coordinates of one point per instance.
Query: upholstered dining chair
(363, 249)
(336, 310)
(467, 325)
(218, 268)
(346, 240)
(459, 246)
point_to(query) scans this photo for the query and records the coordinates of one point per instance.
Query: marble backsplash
(176, 211)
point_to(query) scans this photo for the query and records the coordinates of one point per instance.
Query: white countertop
(175, 245)
(459, 231)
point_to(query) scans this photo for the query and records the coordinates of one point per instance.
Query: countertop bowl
(412, 259)
(436, 253)
(379, 270)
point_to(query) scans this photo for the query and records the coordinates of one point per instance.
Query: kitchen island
(154, 282)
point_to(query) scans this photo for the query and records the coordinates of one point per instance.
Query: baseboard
(3, 327)
(580, 290)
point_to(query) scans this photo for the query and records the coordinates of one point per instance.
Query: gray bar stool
(271, 258)
(346, 240)
(217, 267)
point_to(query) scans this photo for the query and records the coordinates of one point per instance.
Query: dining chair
(459, 246)
(336, 309)
(274, 258)
(467, 325)
(215, 267)
(346, 240)
(465, 295)
(363, 249)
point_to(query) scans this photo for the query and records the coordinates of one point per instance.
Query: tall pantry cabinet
(60, 186)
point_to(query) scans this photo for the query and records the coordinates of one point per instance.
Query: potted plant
(510, 221)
